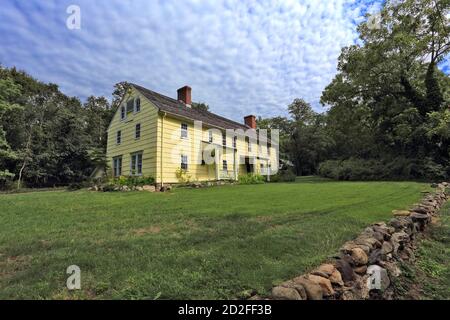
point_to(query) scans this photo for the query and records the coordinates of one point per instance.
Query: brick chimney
(184, 95)
(250, 121)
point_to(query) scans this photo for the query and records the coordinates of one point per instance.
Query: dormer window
(123, 113)
(130, 105)
(137, 105)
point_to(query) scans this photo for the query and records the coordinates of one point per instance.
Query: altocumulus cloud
(240, 57)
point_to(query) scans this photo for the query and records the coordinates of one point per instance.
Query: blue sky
(240, 57)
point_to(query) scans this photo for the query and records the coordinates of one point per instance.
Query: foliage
(6, 178)
(397, 169)
(200, 106)
(183, 176)
(46, 137)
(132, 181)
(388, 102)
(251, 178)
(284, 176)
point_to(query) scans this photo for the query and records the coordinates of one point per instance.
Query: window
(268, 149)
(225, 165)
(234, 142)
(211, 138)
(184, 131)
(137, 105)
(123, 113)
(224, 139)
(119, 137)
(249, 146)
(136, 164)
(117, 166)
(130, 105)
(184, 162)
(137, 133)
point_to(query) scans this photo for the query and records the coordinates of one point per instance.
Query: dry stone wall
(366, 266)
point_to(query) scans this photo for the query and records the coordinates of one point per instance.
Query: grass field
(428, 277)
(189, 243)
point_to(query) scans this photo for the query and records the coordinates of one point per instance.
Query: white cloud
(239, 57)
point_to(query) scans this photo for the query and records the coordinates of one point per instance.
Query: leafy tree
(200, 106)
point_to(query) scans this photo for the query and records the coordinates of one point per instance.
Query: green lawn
(190, 243)
(428, 277)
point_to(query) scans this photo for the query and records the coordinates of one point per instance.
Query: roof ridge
(182, 109)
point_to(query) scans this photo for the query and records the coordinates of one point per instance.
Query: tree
(200, 106)
(388, 90)
(301, 111)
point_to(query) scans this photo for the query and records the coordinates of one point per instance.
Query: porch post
(216, 160)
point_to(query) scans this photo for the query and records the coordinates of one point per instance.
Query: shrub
(284, 176)
(251, 178)
(75, 186)
(6, 180)
(182, 176)
(394, 169)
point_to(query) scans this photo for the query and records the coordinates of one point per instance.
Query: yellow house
(154, 135)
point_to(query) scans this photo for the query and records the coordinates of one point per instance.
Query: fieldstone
(400, 223)
(434, 185)
(327, 269)
(368, 241)
(313, 290)
(378, 278)
(359, 257)
(139, 188)
(401, 213)
(376, 256)
(348, 295)
(379, 236)
(283, 293)
(387, 247)
(361, 270)
(324, 283)
(300, 289)
(336, 278)
(345, 269)
(420, 210)
(387, 231)
(149, 188)
(419, 216)
(348, 246)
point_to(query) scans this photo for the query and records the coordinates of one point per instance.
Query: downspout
(162, 146)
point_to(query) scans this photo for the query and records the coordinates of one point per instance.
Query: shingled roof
(178, 108)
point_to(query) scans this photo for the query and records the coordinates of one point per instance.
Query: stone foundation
(366, 266)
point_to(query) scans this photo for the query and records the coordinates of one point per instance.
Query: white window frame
(224, 165)
(119, 137)
(136, 131)
(123, 113)
(137, 102)
(184, 131)
(134, 164)
(224, 139)
(210, 137)
(184, 162)
(117, 170)
(235, 142)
